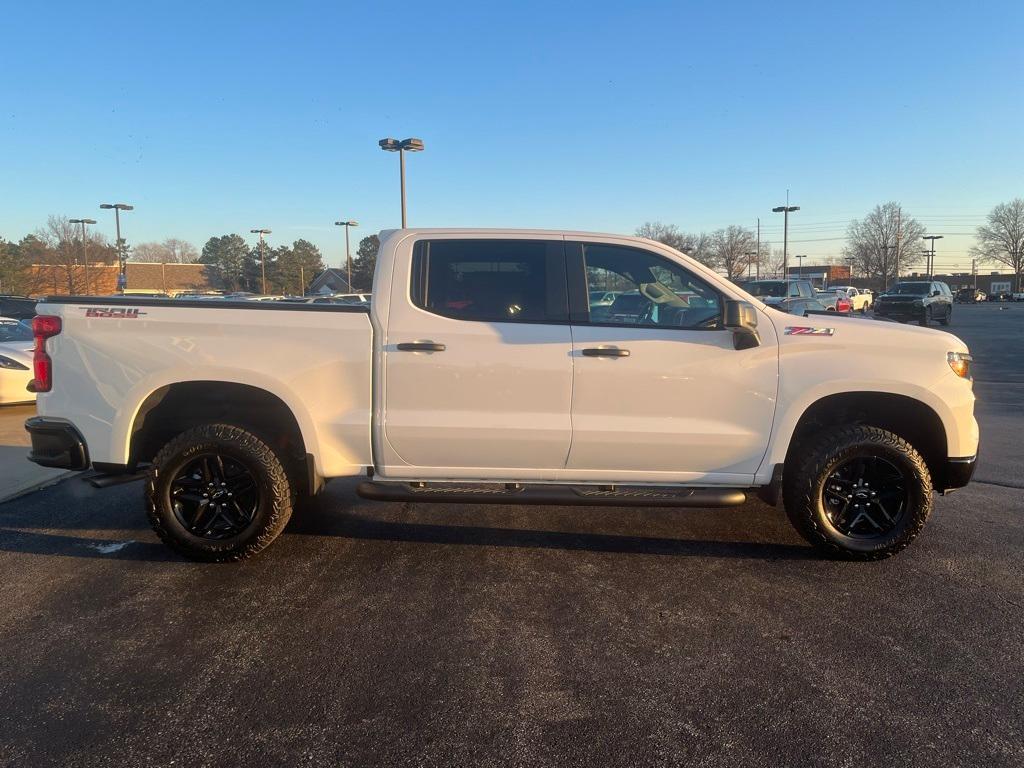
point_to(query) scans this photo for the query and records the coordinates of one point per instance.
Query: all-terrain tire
(806, 474)
(948, 318)
(275, 497)
(926, 315)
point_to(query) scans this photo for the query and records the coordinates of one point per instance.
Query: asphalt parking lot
(398, 634)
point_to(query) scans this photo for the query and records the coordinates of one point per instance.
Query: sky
(221, 117)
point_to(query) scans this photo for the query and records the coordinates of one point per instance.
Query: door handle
(605, 352)
(420, 346)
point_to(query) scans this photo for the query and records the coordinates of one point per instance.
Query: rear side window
(491, 280)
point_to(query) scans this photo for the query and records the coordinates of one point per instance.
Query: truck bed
(115, 355)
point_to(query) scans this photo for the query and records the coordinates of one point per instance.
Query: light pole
(800, 267)
(122, 279)
(85, 249)
(750, 261)
(348, 259)
(785, 210)
(931, 253)
(401, 147)
(263, 259)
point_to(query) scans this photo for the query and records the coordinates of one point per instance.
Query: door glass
(637, 287)
(491, 280)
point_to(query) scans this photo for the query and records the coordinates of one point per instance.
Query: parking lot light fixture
(122, 279)
(85, 249)
(348, 258)
(401, 147)
(785, 210)
(263, 259)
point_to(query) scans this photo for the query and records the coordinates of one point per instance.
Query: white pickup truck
(479, 375)
(860, 300)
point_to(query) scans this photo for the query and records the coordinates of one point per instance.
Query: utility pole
(758, 248)
(931, 253)
(885, 265)
(899, 238)
(85, 250)
(263, 258)
(785, 210)
(974, 271)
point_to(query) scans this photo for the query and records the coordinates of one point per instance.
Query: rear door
(663, 395)
(477, 360)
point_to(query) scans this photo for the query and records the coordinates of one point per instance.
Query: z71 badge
(803, 330)
(126, 313)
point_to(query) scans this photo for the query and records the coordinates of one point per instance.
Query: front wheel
(926, 315)
(218, 493)
(948, 318)
(859, 493)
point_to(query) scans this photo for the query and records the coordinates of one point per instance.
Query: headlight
(13, 365)
(960, 362)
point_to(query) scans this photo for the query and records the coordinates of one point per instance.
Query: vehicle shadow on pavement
(34, 543)
(318, 518)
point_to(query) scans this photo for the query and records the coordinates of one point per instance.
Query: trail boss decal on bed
(803, 330)
(126, 313)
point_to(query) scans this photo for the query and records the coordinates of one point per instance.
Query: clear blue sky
(219, 117)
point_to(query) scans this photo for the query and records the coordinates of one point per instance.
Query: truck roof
(387, 233)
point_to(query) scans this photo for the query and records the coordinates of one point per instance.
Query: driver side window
(630, 286)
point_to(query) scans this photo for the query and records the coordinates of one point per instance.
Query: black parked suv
(920, 300)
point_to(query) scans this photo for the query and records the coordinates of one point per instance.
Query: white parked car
(480, 374)
(16, 344)
(860, 299)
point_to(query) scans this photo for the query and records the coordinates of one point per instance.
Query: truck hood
(837, 331)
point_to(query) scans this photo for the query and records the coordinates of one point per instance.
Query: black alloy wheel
(865, 497)
(215, 496)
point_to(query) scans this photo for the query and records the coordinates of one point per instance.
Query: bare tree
(733, 249)
(181, 252)
(884, 242)
(774, 263)
(696, 246)
(170, 251)
(1001, 237)
(62, 255)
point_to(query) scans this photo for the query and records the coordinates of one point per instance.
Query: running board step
(516, 493)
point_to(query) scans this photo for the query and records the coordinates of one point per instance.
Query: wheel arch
(171, 408)
(912, 418)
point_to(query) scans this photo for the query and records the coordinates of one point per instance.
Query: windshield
(776, 288)
(14, 331)
(911, 289)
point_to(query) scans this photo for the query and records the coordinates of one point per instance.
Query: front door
(660, 392)
(477, 364)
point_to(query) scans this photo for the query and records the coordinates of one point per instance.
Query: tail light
(43, 327)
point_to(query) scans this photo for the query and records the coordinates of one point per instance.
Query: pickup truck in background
(860, 300)
(480, 374)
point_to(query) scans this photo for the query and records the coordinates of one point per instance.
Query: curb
(36, 485)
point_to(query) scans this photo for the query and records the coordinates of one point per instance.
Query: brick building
(102, 281)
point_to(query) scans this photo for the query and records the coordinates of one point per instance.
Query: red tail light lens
(43, 327)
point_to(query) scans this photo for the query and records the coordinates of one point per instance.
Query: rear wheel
(860, 493)
(218, 493)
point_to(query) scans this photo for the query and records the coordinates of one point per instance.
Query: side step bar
(516, 493)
